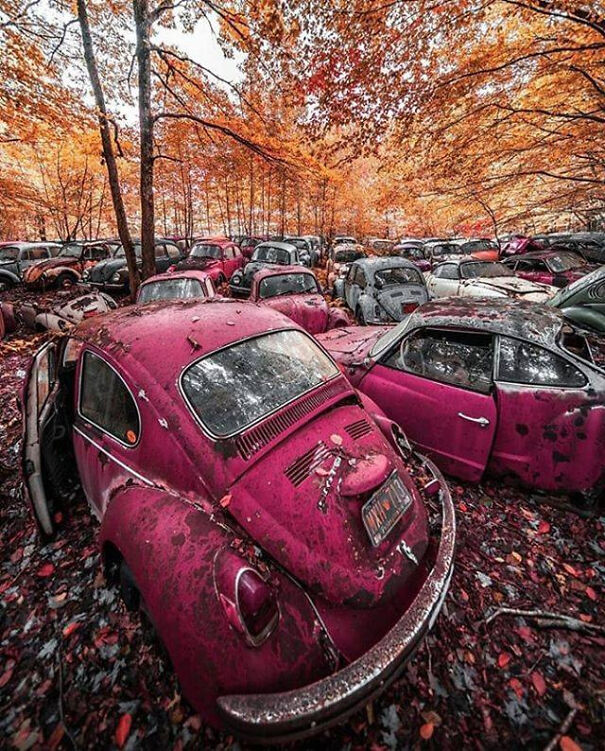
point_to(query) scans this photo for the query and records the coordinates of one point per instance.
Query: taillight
(256, 605)
(172, 268)
(409, 307)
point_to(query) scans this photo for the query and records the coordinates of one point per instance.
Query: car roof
(186, 329)
(277, 244)
(184, 274)
(457, 259)
(281, 271)
(546, 253)
(222, 241)
(388, 262)
(517, 318)
(22, 245)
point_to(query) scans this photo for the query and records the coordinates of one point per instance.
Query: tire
(65, 280)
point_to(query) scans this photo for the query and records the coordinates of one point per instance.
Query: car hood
(351, 344)
(511, 285)
(393, 298)
(309, 311)
(302, 503)
(104, 270)
(197, 264)
(52, 263)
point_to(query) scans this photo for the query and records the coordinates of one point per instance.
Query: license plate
(385, 508)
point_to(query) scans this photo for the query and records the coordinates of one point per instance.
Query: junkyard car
(558, 268)
(270, 253)
(482, 248)
(295, 292)
(583, 301)
(500, 386)
(382, 290)
(70, 264)
(469, 277)
(16, 257)
(248, 244)
(177, 285)
(415, 252)
(381, 246)
(304, 247)
(218, 258)
(112, 274)
(63, 314)
(276, 531)
(340, 258)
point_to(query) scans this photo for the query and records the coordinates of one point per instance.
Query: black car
(266, 254)
(112, 274)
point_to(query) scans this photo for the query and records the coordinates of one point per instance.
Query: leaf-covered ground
(76, 670)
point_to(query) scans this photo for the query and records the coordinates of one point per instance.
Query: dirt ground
(77, 672)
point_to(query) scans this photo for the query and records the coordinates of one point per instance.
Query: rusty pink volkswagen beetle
(288, 546)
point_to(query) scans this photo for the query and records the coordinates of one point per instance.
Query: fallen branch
(562, 730)
(555, 620)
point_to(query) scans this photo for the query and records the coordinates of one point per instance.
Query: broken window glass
(522, 362)
(237, 386)
(287, 284)
(170, 289)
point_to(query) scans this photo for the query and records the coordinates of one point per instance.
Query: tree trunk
(142, 17)
(108, 152)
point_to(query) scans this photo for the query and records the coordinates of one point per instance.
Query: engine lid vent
(358, 429)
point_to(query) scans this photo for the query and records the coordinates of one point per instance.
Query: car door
(162, 259)
(437, 385)
(444, 281)
(351, 288)
(550, 431)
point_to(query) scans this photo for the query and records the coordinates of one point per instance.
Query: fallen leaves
(503, 659)
(538, 682)
(567, 744)
(427, 730)
(123, 730)
(46, 570)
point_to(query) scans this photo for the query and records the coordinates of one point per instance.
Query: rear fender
(172, 546)
(56, 271)
(337, 318)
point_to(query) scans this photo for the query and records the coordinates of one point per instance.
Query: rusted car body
(497, 386)
(295, 292)
(70, 265)
(62, 315)
(266, 255)
(249, 243)
(218, 258)
(280, 541)
(176, 285)
(481, 248)
(467, 276)
(555, 267)
(15, 257)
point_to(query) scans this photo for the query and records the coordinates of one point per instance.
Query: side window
(173, 251)
(160, 251)
(351, 274)
(106, 401)
(522, 362)
(458, 358)
(447, 271)
(360, 278)
(95, 252)
(38, 254)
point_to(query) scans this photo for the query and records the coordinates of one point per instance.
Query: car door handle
(482, 421)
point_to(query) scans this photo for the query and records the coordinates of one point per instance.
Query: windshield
(239, 385)
(347, 256)
(70, 251)
(477, 245)
(490, 270)
(298, 242)
(9, 254)
(205, 251)
(445, 249)
(170, 289)
(287, 284)
(398, 276)
(564, 262)
(271, 254)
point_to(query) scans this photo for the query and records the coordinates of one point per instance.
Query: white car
(470, 277)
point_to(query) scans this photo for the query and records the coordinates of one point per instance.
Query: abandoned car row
(293, 540)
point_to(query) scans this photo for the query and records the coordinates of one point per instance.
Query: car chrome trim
(481, 421)
(133, 472)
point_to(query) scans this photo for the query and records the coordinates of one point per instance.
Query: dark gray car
(15, 257)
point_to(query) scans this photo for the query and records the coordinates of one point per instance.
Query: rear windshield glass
(205, 251)
(271, 254)
(71, 251)
(170, 289)
(287, 284)
(236, 386)
(473, 270)
(398, 276)
(347, 256)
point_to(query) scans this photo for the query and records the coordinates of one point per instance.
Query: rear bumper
(302, 712)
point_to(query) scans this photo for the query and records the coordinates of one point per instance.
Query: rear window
(287, 284)
(170, 289)
(271, 254)
(522, 362)
(399, 276)
(106, 401)
(235, 387)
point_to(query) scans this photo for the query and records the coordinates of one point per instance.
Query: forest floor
(76, 671)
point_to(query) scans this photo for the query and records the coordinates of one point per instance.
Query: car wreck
(219, 258)
(15, 257)
(295, 292)
(470, 277)
(497, 386)
(70, 264)
(176, 285)
(64, 314)
(558, 268)
(266, 254)
(289, 547)
(341, 256)
(382, 290)
(583, 301)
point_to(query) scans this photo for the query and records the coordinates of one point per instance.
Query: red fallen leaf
(538, 682)
(462, 507)
(426, 730)
(123, 729)
(567, 744)
(225, 500)
(525, 633)
(591, 593)
(516, 686)
(6, 676)
(58, 519)
(463, 595)
(586, 618)
(56, 737)
(46, 570)
(70, 628)
(503, 659)
(570, 569)
(543, 528)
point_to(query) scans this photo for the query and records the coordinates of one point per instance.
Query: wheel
(4, 285)
(360, 317)
(65, 280)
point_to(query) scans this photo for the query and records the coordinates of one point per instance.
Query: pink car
(295, 292)
(219, 258)
(178, 285)
(270, 521)
(497, 385)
